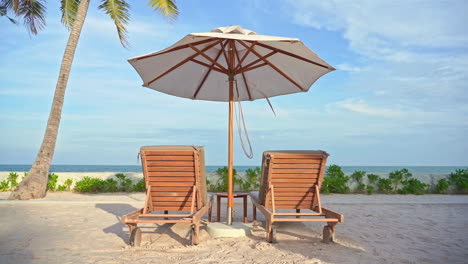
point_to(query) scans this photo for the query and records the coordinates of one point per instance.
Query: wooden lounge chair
(292, 180)
(175, 181)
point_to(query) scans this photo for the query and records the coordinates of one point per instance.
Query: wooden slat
(171, 163)
(171, 173)
(291, 180)
(295, 194)
(172, 194)
(296, 156)
(296, 161)
(181, 189)
(159, 203)
(301, 185)
(296, 166)
(310, 176)
(153, 158)
(173, 184)
(293, 198)
(298, 190)
(168, 152)
(306, 220)
(158, 168)
(171, 179)
(282, 206)
(278, 171)
(172, 199)
(304, 202)
(171, 208)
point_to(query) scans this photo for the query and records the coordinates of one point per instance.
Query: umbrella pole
(230, 155)
(231, 135)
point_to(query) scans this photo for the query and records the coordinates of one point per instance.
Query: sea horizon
(239, 168)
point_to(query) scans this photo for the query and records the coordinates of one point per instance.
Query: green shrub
(88, 184)
(442, 186)
(335, 181)
(369, 189)
(110, 185)
(399, 177)
(4, 186)
(384, 185)
(252, 179)
(372, 178)
(52, 183)
(140, 186)
(221, 184)
(125, 184)
(459, 179)
(414, 186)
(358, 177)
(13, 179)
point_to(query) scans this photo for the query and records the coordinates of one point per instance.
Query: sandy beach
(79, 228)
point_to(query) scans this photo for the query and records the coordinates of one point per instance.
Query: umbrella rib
(208, 57)
(243, 74)
(293, 55)
(245, 55)
(206, 75)
(211, 67)
(182, 62)
(252, 68)
(177, 48)
(224, 51)
(275, 68)
(246, 67)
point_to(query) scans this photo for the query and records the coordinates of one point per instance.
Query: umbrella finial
(234, 30)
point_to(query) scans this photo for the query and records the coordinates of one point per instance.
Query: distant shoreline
(213, 168)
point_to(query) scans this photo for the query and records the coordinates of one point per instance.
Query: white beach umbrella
(199, 65)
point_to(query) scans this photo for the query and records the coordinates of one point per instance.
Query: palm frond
(33, 13)
(118, 10)
(69, 9)
(168, 8)
(4, 12)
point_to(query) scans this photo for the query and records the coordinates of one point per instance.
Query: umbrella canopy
(199, 65)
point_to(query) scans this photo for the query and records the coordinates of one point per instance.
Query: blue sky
(399, 95)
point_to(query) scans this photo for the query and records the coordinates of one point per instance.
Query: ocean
(137, 168)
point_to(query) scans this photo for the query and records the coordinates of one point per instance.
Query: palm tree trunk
(35, 184)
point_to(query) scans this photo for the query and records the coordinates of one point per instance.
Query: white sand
(77, 228)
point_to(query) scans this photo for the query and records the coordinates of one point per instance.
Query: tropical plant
(384, 185)
(251, 181)
(73, 17)
(442, 186)
(140, 186)
(414, 186)
(358, 177)
(221, 184)
(4, 185)
(52, 183)
(335, 181)
(13, 179)
(459, 179)
(31, 11)
(399, 177)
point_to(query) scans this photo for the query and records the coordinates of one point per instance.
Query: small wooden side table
(235, 195)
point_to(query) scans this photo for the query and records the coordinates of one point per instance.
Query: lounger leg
(210, 212)
(166, 212)
(195, 234)
(271, 232)
(329, 232)
(298, 211)
(254, 209)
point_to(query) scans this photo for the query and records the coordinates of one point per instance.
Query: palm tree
(73, 17)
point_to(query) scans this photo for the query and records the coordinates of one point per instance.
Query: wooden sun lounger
(292, 180)
(175, 181)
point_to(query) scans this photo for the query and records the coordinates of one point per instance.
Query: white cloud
(361, 107)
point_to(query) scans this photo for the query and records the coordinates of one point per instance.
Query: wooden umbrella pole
(231, 135)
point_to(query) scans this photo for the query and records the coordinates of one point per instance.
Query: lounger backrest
(294, 175)
(171, 172)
